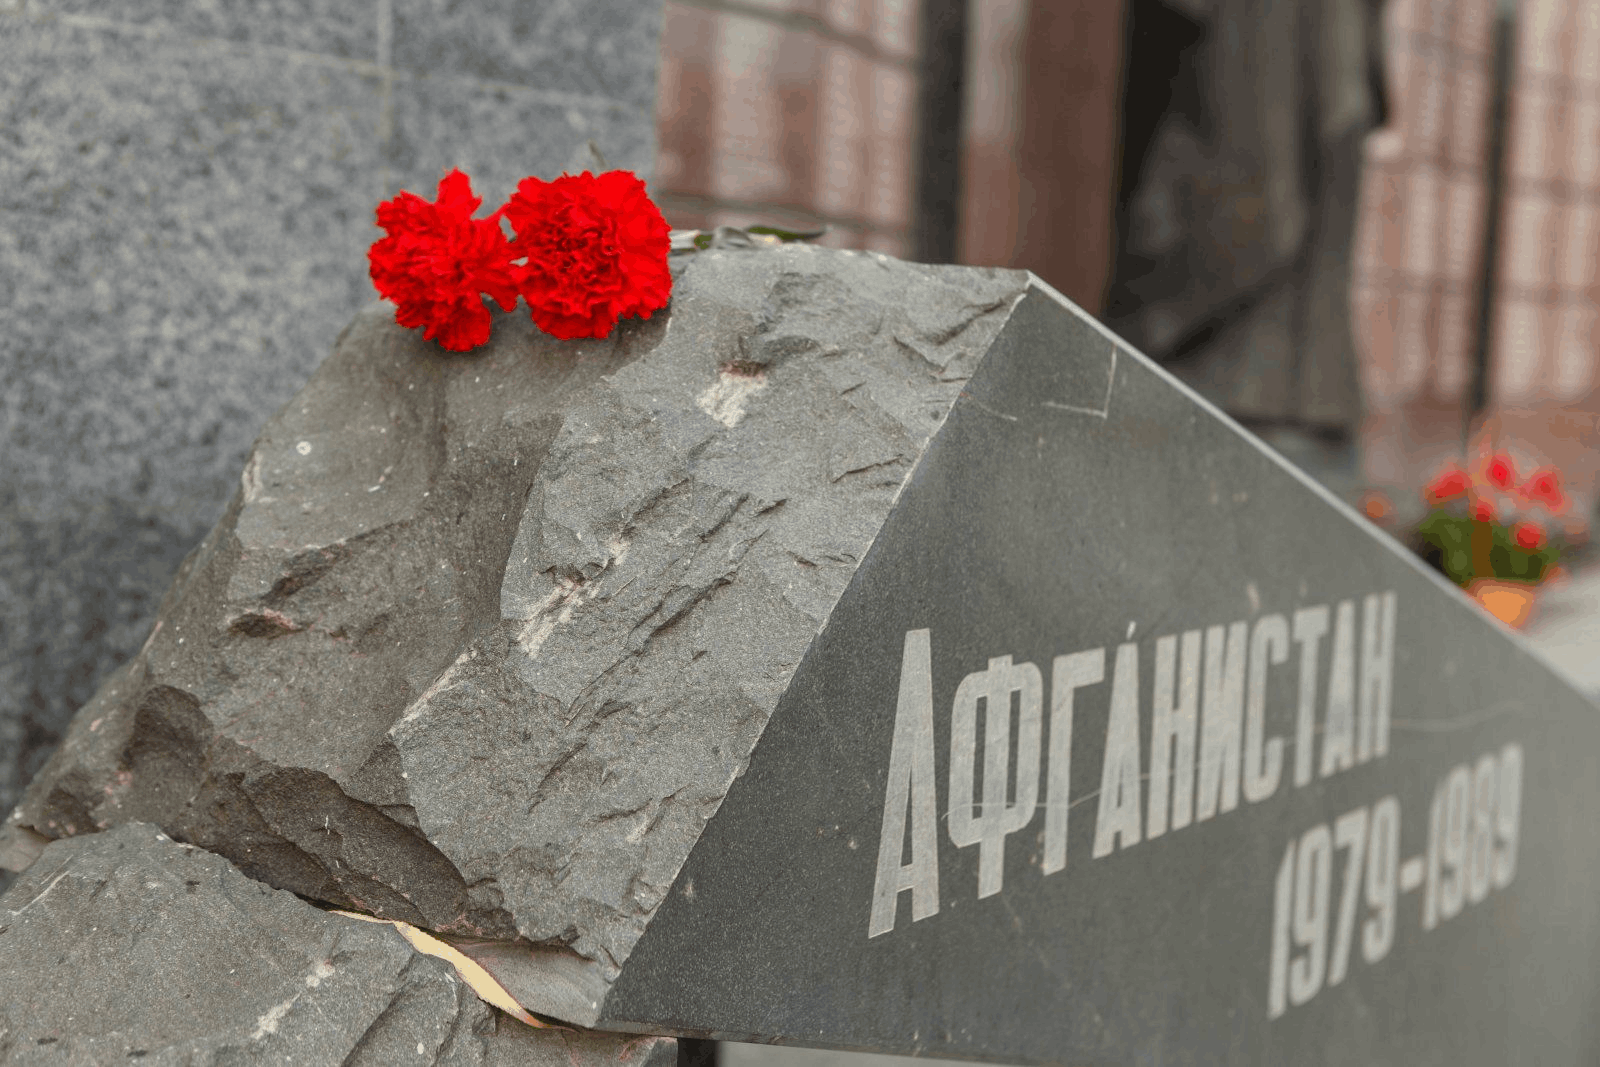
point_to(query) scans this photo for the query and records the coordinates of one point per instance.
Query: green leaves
(1450, 537)
(757, 236)
(1509, 561)
(785, 235)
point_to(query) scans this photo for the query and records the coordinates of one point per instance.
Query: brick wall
(1545, 390)
(799, 113)
(1422, 237)
(803, 113)
(1545, 344)
(990, 178)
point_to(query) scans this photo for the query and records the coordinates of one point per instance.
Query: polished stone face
(1265, 789)
(186, 199)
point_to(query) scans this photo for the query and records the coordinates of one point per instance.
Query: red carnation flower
(438, 259)
(1483, 510)
(1544, 487)
(1452, 483)
(1500, 471)
(596, 252)
(1529, 536)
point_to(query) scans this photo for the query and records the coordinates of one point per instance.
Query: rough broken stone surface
(482, 641)
(129, 947)
(186, 203)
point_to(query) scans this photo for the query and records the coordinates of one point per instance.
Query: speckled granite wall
(186, 198)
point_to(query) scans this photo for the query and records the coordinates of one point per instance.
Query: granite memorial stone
(866, 655)
(186, 200)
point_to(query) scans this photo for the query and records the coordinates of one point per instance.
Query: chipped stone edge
(20, 847)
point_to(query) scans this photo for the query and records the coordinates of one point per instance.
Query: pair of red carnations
(587, 252)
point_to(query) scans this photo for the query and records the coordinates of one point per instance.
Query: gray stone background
(186, 200)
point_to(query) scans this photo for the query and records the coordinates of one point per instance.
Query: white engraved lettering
(1221, 709)
(1172, 726)
(1338, 735)
(1377, 675)
(1067, 675)
(1263, 759)
(911, 784)
(1119, 815)
(989, 829)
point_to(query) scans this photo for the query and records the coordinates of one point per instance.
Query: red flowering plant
(592, 250)
(1485, 521)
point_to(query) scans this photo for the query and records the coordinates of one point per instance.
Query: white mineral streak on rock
(268, 1023)
(725, 400)
(250, 480)
(322, 970)
(440, 684)
(556, 609)
(42, 894)
(553, 611)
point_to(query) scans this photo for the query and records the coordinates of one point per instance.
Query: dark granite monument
(865, 655)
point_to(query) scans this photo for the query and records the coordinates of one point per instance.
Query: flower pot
(1510, 602)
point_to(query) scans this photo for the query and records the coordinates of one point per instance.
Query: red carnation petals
(596, 252)
(438, 259)
(1544, 487)
(1529, 536)
(1452, 483)
(1500, 472)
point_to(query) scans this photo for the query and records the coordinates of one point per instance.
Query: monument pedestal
(861, 655)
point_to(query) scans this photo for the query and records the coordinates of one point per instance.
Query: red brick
(684, 101)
